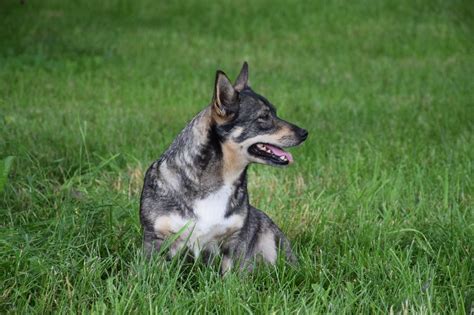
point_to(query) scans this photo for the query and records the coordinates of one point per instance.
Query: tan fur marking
(218, 116)
(234, 161)
(284, 131)
(217, 112)
(267, 247)
(163, 225)
(274, 138)
(169, 224)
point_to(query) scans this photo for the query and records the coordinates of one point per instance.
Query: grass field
(379, 204)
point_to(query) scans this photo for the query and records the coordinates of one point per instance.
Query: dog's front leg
(239, 256)
(151, 243)
(226, 264)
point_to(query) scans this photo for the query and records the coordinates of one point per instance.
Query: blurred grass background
(378, 204)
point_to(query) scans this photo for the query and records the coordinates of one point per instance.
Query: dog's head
(247, 123)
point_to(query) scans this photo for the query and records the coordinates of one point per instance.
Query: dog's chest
(210, 221)
(209, 225)
(212, 209)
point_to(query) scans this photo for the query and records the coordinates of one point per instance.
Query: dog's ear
(225, 100)
(243, 78)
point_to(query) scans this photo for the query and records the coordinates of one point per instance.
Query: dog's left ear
(225, 100)
(243, 78)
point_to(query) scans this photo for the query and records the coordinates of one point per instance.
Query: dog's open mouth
(271, 153)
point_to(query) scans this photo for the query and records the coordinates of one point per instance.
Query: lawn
(378, 204)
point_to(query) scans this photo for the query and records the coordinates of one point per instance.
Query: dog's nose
(303, 134)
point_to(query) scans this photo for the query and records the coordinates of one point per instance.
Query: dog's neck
(202, 161)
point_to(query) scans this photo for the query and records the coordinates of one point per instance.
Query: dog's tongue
(280, 152)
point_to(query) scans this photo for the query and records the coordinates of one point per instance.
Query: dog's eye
(264, 117)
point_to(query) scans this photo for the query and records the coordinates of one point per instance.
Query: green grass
(378, 205)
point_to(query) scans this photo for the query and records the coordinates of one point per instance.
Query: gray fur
(196, 165)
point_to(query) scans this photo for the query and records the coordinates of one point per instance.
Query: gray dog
(197, 190)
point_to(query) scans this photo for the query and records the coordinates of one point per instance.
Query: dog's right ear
(225, 100)
(243, 78)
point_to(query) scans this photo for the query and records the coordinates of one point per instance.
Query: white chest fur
(211, 210)
(209, 226)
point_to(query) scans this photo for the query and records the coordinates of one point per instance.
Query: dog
(196, 193)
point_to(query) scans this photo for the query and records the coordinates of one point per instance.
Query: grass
(378, 205)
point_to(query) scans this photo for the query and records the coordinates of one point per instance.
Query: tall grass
(378, 205)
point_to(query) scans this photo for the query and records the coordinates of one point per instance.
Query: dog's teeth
(283, 158)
